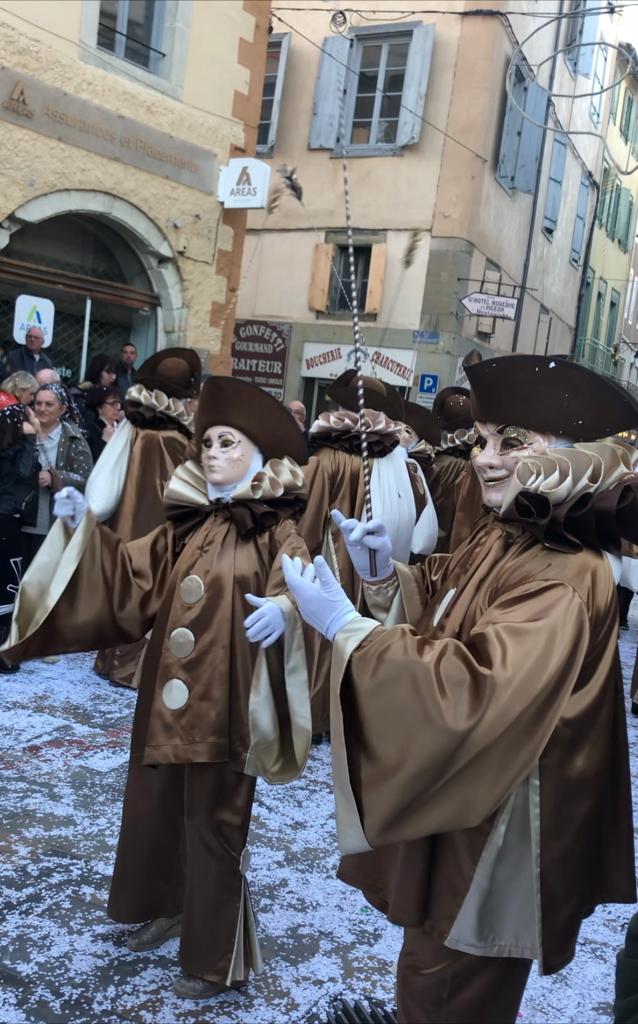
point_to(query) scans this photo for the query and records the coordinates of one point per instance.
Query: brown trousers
(183, 831)
(437, 985)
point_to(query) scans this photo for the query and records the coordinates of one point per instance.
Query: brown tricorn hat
(551, 395)
(229, 402)
(423, 422)
(377, 394)
(452, 409)
(174, 371)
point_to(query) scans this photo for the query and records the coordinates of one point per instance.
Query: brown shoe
(154, 934)
(188, 986)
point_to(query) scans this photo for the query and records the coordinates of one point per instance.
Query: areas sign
(32, 311)
(244, 184)
(500, 307)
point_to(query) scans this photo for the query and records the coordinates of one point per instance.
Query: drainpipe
(541, 160)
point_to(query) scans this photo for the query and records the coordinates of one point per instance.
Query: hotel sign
(29, 103)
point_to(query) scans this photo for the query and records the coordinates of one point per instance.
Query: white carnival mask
(226, 456)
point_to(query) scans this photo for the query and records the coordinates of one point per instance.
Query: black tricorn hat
(423, 422)
(551, 395)
(452, 409)
(230, 402)
(377, 394)
(174, 371)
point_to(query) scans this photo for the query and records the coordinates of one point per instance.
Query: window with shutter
(581, 30)
(578, 235)
(602, 205)
(521, 137)
(627, 116)
(322, 261)
(599, 309)
(276, 58)
(555, 185)
(585, 305)
(340, 287)
(385, 72)
(625, 228)
(612, 319)
(612, 213)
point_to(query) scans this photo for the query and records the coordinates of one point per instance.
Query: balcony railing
(599, 357)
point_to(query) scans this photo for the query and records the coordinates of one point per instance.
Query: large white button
(191, 589)
(181, 642)
(175, 694)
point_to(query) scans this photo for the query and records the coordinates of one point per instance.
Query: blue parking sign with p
(428, 383)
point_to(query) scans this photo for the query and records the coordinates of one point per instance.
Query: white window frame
(284, 39)
(171, 69)
(156, 55)
(385, 39)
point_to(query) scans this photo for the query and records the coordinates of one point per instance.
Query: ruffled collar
(584, 496)
(157, 401)
(276, 492)
(463, 440)
(340, 430)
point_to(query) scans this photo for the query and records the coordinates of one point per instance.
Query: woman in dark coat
(102, 415)
(18, 464)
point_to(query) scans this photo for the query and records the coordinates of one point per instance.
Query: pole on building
(85, 338)
(356, 329)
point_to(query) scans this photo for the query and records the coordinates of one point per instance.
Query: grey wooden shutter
(588, 33)
(331, 79)
(529, 149)
(279, 86)
(415, 85)
(579, 224)
(510, 133)
(621, 227)
(555, 184)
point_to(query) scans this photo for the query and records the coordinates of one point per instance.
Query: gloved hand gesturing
(69, 504)
(267, 624)
(322, 603)
(361, 538)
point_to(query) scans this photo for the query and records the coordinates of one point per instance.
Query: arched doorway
(109, 271)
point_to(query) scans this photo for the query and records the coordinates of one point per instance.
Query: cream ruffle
(565, 474)
(458, 439)
(157, 401)
(187, 485)
(347, 422)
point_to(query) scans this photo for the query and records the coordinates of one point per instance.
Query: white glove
(69, 504)
(362, 538)
(267, 624)
(322, 603)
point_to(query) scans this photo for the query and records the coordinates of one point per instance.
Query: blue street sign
(428, 383)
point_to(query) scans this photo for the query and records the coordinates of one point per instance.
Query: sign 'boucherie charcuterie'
(394, 365)
(260, 353)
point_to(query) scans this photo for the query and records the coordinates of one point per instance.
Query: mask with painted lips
(496, 454)
(226, 455)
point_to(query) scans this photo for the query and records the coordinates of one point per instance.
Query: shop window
(276, 58)
(330, 290)
(555, 185)
(581, 29)
(384, 77)
(133, 30)
(578, 236)
(522, 136)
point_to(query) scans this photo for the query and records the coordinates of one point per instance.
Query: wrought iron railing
(600, 357)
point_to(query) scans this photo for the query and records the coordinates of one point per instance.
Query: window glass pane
(398, 54)
(387, 132)
(106, 25)
(272, 58)
(367, 83)
(360, 133)
(394, 81)
(363, 108)
(390, 106)
(269, 85)
(262, 134)
(139, 30)
(266, 110)
(371, 56)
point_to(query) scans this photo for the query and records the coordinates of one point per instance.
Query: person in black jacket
(28, 356)
(18, 466)
(102, 413)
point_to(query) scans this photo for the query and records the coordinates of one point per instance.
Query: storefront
(322, 363)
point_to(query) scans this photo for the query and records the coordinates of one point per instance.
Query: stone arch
(143, 235)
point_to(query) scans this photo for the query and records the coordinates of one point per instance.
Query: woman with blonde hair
(21, 384)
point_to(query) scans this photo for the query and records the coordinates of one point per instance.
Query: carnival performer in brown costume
(213, 709)
(334, 475)
(480, 748)
(454, 488)
(126, 488)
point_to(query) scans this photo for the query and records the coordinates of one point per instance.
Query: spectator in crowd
(18, 465)
(101, 372)
(126, 369)
(64, 459)
(102, 415)
(28, 356)
(48, 376)
(21, 385)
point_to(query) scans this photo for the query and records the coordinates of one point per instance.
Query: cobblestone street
(63, 750)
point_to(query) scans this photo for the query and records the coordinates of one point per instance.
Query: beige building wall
(444, 186)
(214, 105)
